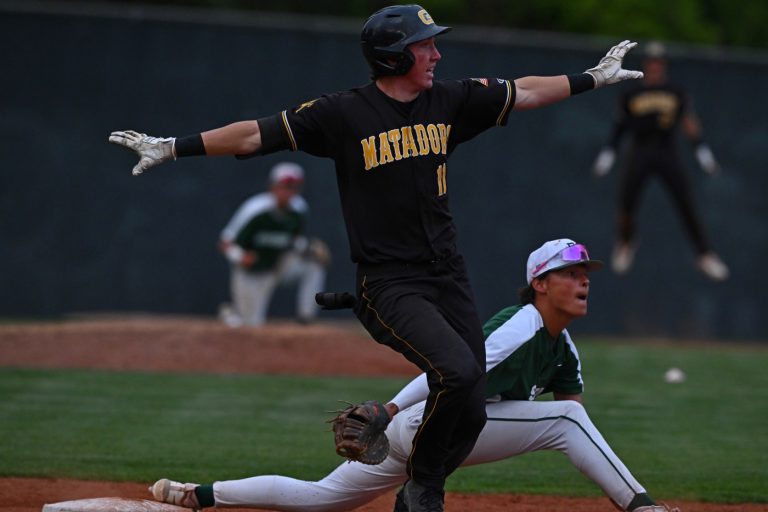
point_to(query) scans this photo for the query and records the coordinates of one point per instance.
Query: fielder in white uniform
(265, 244)
(529, 352)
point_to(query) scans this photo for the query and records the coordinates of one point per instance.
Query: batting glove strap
(151, 150)
(609, 71)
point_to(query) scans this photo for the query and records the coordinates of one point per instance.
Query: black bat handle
(332, 300)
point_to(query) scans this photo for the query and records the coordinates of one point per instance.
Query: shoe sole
(161, 489)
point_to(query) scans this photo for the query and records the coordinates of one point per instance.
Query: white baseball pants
(513, 428)
(252, 292)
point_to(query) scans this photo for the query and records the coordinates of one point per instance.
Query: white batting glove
(151, 150)
(604, 162)
(609, 71)
(706, 159)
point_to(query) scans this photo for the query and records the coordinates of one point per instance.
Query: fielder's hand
(318, 251)
(151, 150)
(604, 162)
(359, 432)
(609, 70)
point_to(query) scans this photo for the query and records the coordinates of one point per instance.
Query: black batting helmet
(389, 31)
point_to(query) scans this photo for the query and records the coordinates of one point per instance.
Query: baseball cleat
(400, 505)
(419, 498)
(713, 267)
(175, 493)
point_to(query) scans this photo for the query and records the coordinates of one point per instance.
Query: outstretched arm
(240, 138)
(539, 91)
(692, 129)
(607, 156)
(413, 393)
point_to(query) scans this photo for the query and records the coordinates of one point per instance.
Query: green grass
(704, 439)
(134, 426)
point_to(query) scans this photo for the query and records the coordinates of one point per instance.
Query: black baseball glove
(359, 430)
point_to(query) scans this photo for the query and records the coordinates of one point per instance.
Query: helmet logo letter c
(425, 17)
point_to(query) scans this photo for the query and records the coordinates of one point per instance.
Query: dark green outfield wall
(79, 233)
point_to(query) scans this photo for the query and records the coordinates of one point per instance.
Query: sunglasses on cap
(571, 254)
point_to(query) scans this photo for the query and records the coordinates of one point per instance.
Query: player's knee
(572, 413)
(475, 417)
(463, 376)
(571, 426)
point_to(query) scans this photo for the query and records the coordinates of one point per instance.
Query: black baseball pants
(426, 312)
(663, 162)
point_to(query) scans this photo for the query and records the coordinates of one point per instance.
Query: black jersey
(650, 114)
(391, 159)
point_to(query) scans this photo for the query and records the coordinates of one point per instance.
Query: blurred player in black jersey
(651, 113)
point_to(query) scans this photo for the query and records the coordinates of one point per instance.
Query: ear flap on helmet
(385, 62)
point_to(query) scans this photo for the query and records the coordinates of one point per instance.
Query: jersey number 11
(442, 184)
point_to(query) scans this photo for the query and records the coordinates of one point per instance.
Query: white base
(112, 505)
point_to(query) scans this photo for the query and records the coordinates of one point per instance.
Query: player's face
(284, 191)
(425, 57)
(567, 290)
(654, 71)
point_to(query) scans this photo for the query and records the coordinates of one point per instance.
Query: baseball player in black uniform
(390, 141)
(650, 114)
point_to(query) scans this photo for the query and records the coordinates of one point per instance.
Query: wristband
(581, 83)
(191, 145)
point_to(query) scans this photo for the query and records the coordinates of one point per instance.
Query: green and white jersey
(258, 225)
(523, 360)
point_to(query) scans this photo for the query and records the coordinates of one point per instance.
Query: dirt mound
(181, 344)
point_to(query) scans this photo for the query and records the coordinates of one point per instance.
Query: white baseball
(674, 375)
